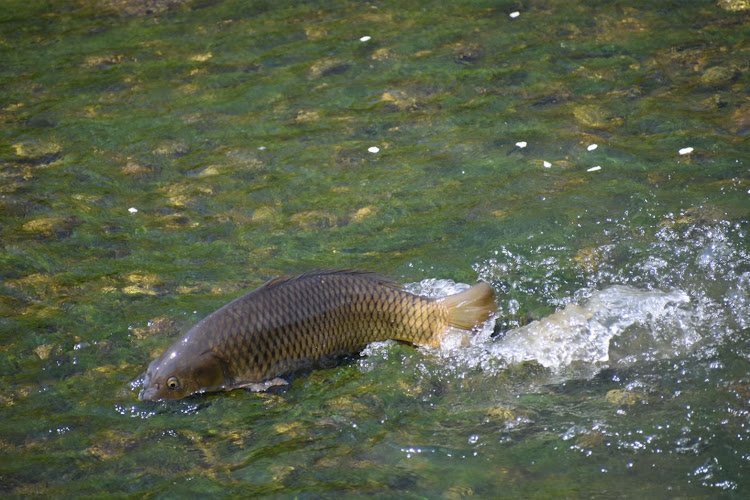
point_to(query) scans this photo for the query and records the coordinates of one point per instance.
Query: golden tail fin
(471, 307)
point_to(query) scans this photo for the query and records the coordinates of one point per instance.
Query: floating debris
(373, 149)
(514, 15)
(521, 144)
(685, 151)
(133, 210)
(547, 164)
(594, 169)
(365, 39)
(592, 147)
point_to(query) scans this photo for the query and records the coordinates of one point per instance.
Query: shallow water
(160, 158)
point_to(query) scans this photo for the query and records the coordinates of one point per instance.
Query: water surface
(588, 159)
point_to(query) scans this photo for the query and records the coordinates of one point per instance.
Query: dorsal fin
(378, 278)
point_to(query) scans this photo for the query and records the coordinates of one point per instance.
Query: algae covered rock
(734, 5)
(47, 227)
(593, 116)
(720, 76)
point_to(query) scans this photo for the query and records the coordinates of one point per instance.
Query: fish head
(179, 373)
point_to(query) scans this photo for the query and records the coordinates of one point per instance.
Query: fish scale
(294, 321)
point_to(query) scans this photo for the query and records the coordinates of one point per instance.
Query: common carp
(293, 321)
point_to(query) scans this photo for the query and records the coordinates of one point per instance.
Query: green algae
(239, 134)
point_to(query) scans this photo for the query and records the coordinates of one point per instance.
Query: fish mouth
(148, 392)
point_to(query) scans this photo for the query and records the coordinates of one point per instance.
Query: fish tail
(471, 307)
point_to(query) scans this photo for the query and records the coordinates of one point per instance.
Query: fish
(295, 321)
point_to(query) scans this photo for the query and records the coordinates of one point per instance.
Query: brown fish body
(296, 320)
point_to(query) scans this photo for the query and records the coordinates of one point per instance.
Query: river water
(588, 159)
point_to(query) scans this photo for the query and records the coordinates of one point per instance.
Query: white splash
(580, 334)
(583, 332)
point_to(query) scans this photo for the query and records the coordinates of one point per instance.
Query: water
(160, 158)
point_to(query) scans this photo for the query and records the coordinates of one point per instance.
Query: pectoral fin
(261, 386)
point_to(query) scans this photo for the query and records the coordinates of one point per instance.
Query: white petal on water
(365, 38)
(514, 15)
(373, 149)
(592, 147)
(521, 144)
(685, 151)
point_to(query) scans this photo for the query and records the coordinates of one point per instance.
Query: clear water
(158, 158)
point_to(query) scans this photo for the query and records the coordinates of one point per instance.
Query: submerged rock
(59, 227)
(734, 5)
(307, 116)
(701, 215)
(172, 148)
(589, 259)
(621, 397)
(327, 67)
(43, 351)
(265, 214)
(36, 149)
(400, 100)
(157, 326)
(314, 219)
(136, 8)
(719, 76)
(364, 213)
(740, 119)
(466, 52)
(135, 169)
(591, 115)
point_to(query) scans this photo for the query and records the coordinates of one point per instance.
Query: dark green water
(160, 158)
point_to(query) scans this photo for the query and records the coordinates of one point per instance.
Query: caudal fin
(471, 307)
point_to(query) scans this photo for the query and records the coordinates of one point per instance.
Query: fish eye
(173, 383)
